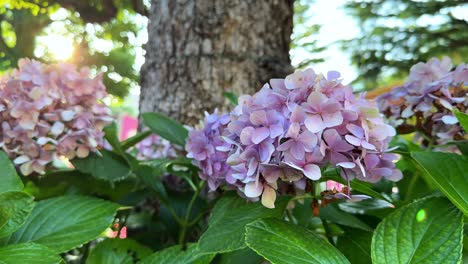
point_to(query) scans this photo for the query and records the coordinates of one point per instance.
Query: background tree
(397, 34)
(199, 49)
(103, 33)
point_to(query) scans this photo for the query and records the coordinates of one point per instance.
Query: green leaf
(108, 167)
(332, 213)
(449, 172)
(15, 208)
(153, 180)
(111, 135)
(166, 127)
(122, 251)
(355, 245)
(232, 97)
(462, 118)
(244, 256)
(132, 141)
(10, 179)
(65, 222)
(228, 219)
(176, 255)
(426, 231)
(462, 146)
(283, 242)
(29, 253)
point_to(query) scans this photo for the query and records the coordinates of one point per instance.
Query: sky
(336, 25)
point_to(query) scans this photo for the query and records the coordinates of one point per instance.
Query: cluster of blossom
(155, 147)
(209, 151)
(424, 104)
(290, 131)
(48, 111)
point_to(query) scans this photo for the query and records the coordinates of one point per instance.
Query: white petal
(67, 115)
(347, 165)
(449, 120)
(57, 128)
(253, 190)
(21, 159)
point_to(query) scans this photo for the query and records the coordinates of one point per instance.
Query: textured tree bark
(198, 49)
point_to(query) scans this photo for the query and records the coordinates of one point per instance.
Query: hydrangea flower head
(48, 111)
(155, 147)
(424, 104)
(209, 151)
(291, 130)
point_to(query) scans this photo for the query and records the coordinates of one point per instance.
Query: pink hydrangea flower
(291, 130)
(425, 102)
(48, 111)
(155, 147)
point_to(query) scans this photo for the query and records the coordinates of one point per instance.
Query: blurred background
(373, 43)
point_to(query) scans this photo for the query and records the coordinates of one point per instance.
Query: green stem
(185, 224)
(302, 197)
(411, 186)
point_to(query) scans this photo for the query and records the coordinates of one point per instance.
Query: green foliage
(334, 214)
(397, 34)
(15, 208)
(426, 231)
(176, 254)
(122, 251)
(166, 127)
(65, 222)
(355, 245)
(448, 172)
(281, 242)
(10, 180)
(228, 220)
(132, 141)
(244, 256)
(462, 118)
(106, 166)
(30, 253)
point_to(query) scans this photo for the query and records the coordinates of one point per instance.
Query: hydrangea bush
(317, 155)
(290, 132)
(425, 103)
(49, 111)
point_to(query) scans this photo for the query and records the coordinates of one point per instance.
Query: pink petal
(286, 145)
(314, 123)
(293, 131)
(355, 130)
(367, 145)
(312, 172)
(246, 135)
(346, 164)
(259, 134)
(265, 150)
(330, 106)
(258, 117)
(297, 115)
(332, 119)
(316, 98)
(297, 151)
(353, 140)
(276, 130)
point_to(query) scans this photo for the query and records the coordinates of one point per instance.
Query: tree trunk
(198, 49)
